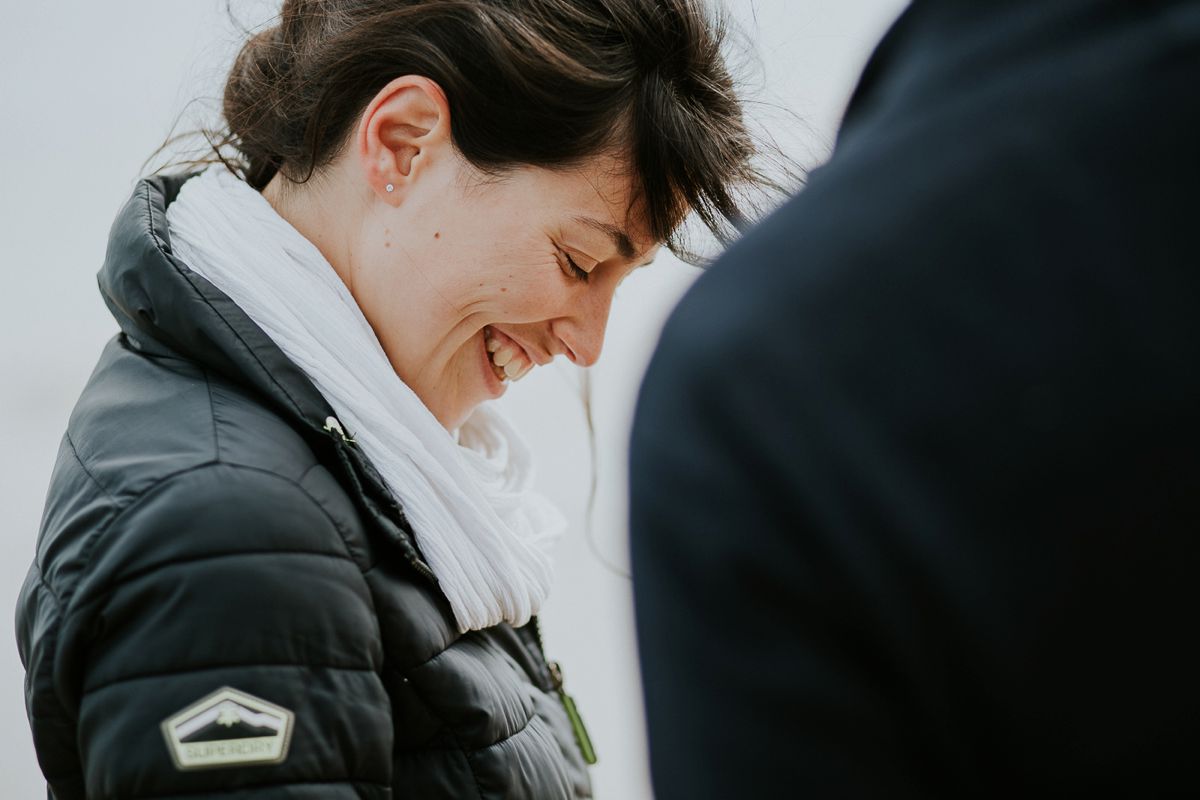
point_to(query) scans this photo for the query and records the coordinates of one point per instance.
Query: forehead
(598, 194)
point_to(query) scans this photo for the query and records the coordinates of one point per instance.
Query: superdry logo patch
(228, 728)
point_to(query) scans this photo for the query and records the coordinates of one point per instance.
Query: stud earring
(390, 188)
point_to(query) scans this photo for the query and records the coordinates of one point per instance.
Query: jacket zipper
(581, 735)
(335, 429)
(332, 426)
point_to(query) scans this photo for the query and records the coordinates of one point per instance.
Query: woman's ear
(403, 131)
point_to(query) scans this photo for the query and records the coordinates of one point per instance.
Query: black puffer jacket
(227, 601)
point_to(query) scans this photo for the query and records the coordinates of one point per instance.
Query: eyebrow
(618, 236)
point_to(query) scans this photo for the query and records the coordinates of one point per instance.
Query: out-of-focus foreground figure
(916, 468)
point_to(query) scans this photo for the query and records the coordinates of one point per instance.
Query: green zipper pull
(581, 734)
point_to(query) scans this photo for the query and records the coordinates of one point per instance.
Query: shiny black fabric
(203, 529)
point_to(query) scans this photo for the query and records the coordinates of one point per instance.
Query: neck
(312, 210)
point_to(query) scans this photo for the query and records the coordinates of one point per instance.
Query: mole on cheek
(437, 234)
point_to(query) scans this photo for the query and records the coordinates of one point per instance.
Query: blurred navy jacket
(916, 467)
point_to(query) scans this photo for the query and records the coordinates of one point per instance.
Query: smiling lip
(505, 338)
(540, 360)
(496, 387)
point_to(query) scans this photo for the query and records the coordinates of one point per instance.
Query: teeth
(502, 356)
(508, 361)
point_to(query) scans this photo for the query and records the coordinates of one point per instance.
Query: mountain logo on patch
(228, 728)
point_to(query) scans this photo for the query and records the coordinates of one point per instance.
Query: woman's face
(468, 282)
(470, 288)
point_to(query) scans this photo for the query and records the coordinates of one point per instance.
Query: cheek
(528, 285)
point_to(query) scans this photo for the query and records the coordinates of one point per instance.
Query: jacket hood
(166, 309)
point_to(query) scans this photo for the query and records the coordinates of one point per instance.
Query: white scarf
(485, 533)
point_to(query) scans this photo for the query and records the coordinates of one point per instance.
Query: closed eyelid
(581, 258)
(577, 272)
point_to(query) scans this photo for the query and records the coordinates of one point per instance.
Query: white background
(89, 89)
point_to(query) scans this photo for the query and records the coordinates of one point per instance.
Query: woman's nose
(582, 332)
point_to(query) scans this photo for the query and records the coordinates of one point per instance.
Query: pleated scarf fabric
(485, 532)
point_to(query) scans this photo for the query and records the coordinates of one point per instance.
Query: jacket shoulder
(211, 511)
(153, 432)
(142, 417)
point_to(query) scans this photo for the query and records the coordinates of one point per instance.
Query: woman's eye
(576, 272)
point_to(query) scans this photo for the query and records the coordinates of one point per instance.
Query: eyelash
(576, 272)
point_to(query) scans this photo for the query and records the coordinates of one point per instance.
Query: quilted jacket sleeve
(234, 579)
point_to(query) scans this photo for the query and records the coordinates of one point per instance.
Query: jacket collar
(167, 309)
(161, 303)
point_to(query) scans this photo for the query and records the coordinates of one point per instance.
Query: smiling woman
(283, 496)
(448, 257)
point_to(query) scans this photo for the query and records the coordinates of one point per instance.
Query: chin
(452, 417)
(455, 422)
(467, 388)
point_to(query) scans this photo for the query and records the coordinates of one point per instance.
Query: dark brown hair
(546, 83)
